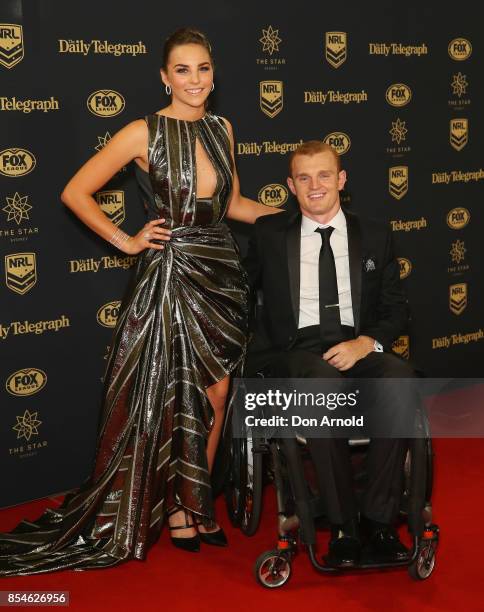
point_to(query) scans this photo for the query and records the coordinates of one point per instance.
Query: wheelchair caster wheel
(272, 569)
(424, 564)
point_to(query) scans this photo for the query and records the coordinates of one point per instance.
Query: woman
(180, 333)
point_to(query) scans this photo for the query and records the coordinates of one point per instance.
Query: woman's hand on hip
(142, 240)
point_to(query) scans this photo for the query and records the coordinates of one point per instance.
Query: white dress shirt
(309, 287)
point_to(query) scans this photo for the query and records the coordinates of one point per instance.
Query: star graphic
(458, 251)
(27, 425)
(270, 40)
(17, 208)
(459, 84)
(398, 131)
(103, 141)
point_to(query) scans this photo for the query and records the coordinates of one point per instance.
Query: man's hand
(344, 355)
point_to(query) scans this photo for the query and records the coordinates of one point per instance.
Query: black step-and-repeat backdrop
(397, 89)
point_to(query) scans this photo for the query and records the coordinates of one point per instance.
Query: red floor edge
(222, 579)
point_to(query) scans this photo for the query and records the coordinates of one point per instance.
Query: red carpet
(221, 579)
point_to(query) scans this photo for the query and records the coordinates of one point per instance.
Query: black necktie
(329, 317)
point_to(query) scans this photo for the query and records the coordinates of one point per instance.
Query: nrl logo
(20, 272)
(458, 298)
(11, 45)
(401, 346)
(112, 204)
(398, 181)
(335, 48)
(271, 97)
(459, 133)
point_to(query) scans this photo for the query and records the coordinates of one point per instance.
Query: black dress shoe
(344, 546)
(214, 538)
(384, 543)
(191, 544)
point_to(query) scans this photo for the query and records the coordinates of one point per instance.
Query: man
(332, 306)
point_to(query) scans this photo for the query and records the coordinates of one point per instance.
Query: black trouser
(331, 456)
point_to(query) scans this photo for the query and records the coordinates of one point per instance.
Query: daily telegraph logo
(458, 298)
(459, 133)
(336, 48)
(26, 382)
(458, 217)
(398, 94)
(27, 106)
(16, 162)
(11, 44)
(103, 47)
(398, 181)
(106, 103)
(405, 267)
(273, 195)
(339, 141)
(112, 204)
(107, 315)
(460, 49)
(20, 272)
(401, 347)
(271, 97)
(19, 328)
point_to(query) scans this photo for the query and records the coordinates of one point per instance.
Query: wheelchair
(255, 462)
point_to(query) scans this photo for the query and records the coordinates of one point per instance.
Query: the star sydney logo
(270, 40)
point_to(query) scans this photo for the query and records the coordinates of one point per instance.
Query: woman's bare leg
(217, 395)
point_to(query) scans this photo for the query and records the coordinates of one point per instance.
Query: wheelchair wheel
(273, 569)
(243, 492)
(251, 511)
(424, 564)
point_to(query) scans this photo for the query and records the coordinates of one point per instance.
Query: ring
(147, 236)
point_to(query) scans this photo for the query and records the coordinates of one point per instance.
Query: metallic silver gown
(182, 327)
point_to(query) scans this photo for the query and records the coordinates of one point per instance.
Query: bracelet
(119, 238)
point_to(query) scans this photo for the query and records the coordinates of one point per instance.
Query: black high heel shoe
(189, 544)
(214, 538)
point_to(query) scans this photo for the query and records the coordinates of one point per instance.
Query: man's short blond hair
(312, 147)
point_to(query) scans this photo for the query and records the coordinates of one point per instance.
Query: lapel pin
(370, 265)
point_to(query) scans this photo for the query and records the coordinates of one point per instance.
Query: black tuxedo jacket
(272, 262)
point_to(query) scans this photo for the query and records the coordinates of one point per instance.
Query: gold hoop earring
(168, 90)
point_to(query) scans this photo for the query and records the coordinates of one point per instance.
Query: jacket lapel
(293, 249)
(355, 260)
